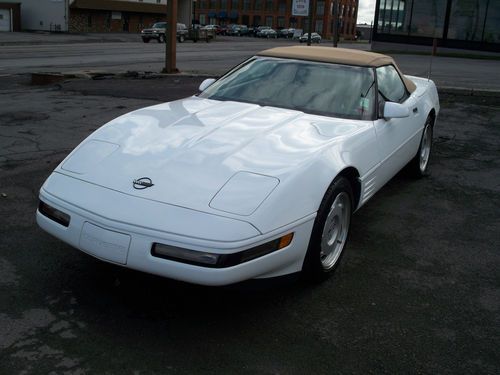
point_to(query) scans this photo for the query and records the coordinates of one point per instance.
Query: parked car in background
(287, 33)
(258, 29)
(315, 38)
(157, 32)
(215, 28)
(237, 30)
(267, 33)
(281, 151)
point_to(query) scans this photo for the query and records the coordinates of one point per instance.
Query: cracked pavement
(418, 290)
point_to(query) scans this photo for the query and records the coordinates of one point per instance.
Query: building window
(89, 20)
(256, 20)
(235, 4)
(246, 4)
(269, 5)
(203, 4)
(203, 19)
(269, 21)
(282, 7)
(223, 4)
(281, 22)
(320, 8)
(258, 5)
(319, 26)
(213, 4)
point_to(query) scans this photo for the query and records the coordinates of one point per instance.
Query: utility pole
(170, 38)
(335, 28)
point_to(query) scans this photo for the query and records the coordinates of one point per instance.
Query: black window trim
(407, 93)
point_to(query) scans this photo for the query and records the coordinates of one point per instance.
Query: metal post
(310, 22)
(335, 30)
(194, 13)
(170, 36)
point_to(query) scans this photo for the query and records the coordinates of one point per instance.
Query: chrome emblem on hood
(142, 183)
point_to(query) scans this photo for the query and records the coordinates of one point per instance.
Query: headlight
(244, 193)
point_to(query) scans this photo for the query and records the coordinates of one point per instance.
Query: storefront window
(491, 33)
(413, 17)
(467, 19)
(428, 18)
(394, 16)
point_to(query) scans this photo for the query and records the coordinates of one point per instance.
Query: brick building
(278, 14)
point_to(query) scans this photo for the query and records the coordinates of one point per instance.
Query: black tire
(181, 38)
(146, 40)
(161, 38)
(419, 165)
(317, 265)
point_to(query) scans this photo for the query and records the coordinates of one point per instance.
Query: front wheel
(181, 39)
(330, 231)
(419, 165)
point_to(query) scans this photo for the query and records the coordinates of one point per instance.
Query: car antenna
(434, 46)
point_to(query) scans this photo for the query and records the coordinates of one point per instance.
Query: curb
(463, 91)
(47, 78)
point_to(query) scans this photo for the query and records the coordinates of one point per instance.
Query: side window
(390, 84)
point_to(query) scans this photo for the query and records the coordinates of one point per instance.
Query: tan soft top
(338, 56)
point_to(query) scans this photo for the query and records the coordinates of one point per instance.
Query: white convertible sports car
(256, 176)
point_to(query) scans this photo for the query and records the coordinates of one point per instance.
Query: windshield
(318, 88)
(159, 25)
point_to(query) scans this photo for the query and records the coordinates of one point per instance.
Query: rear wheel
(419, 164)
(330, 231)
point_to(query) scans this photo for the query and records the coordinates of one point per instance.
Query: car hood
(189, 149)
(153, 29)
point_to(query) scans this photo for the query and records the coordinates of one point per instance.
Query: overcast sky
(366, 11)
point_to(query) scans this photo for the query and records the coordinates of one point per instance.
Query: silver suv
(157, 31)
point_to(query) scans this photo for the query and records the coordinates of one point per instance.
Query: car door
(398, 138)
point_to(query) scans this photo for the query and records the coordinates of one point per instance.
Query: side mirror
(204, 85)
(395, 110)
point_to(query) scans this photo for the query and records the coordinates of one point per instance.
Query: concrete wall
(48, 15)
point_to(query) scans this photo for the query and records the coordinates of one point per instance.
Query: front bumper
(113, 233)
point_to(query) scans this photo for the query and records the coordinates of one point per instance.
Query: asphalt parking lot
(418, 290)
